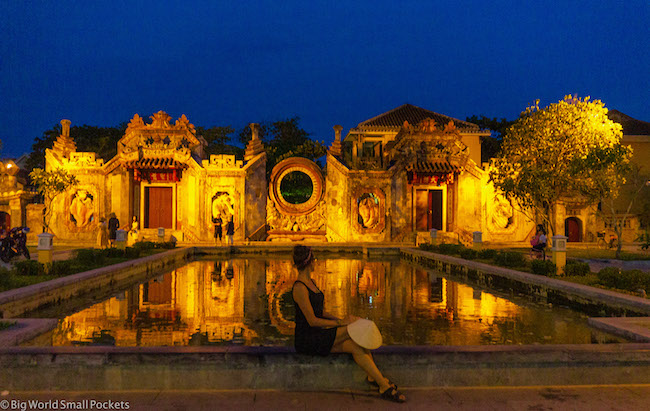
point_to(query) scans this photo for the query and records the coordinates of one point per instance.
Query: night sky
(235, 62)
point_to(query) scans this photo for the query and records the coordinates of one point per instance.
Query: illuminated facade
(14, 196)
(400, 174)
(161, 176)
(392, 178)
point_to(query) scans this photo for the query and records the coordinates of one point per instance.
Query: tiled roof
(396, 117)
(154, 163)
(631, 126)
(433, 167)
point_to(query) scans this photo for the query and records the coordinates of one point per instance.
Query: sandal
(374, 383)
(392, 394)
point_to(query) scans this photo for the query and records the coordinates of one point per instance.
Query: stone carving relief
(160, 134)
(223, 161)
(500, 215)
(223, 206)
(369, 210)
(426, 142)
(83, 159)
(81, 208)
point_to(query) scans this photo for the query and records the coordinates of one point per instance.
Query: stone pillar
(65, 127)
(45, 246)
(335, 149)
(559, 252)
(120, 239)
(477, 240)
(255, 146)
(161, 234)
(434, 236)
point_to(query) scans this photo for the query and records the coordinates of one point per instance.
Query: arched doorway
(5, 220)
(573, 229)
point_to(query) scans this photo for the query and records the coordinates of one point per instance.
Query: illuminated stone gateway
(161, 176)
(392, 179)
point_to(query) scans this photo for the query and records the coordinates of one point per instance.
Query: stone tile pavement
(588, 398)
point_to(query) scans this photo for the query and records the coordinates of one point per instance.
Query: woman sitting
(320, 333)
(539, 241)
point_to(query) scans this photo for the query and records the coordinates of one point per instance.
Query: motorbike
(14, 243)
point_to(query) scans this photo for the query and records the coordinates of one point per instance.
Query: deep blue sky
(236, 62)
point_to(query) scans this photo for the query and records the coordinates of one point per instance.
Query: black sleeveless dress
(313, 340)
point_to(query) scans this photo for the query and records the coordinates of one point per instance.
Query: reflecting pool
(248, 301)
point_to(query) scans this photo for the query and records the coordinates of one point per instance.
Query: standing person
(230, 231)
(217, 221)
(102, 235)
(113, 225)
(320, 333)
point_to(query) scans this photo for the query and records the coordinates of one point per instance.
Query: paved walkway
(588, 398)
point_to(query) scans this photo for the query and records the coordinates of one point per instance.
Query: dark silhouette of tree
(491, 145)
(283, 139)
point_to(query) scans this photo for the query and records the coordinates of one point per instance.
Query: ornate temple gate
(296, 222)
(431, 181)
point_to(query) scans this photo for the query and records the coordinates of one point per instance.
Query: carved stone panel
(80, 206)
(368, 210)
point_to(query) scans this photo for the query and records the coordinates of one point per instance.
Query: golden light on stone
(392, 178)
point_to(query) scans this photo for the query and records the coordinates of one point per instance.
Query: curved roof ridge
(413, 114)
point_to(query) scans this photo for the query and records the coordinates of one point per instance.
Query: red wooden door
(435, 209)
(159, 207)
(421, 210)
(573, 230)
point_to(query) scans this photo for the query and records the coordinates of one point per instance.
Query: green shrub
(428, 247)
(91, 257)
(487, 254)
(61, 268)
(609, 276)
(131, 252)
(113, 253)
(468, 254)
(450, 249)
(144, 245)
(168, 245)
(6, 278)
(29, 267)
(633, 280)
(510, 259)
(543, 267)
(576, 268)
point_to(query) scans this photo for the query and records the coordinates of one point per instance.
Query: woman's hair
(302, 256)
(541, 228)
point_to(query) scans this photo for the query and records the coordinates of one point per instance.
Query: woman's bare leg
(343, 343)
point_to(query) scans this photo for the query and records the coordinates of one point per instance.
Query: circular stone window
(296, 187)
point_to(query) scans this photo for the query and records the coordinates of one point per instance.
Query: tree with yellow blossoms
(568, 150)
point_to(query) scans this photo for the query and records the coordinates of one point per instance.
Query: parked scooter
(14, 243)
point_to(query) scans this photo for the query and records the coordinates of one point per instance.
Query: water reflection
(248, 301)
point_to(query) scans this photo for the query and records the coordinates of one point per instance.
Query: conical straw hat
(365, 333)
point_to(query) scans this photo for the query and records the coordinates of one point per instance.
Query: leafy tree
(218, 139)
(101, 140)
(50, 184)
(491, 145)
(616, 208)
(283, 139)
(547, 155)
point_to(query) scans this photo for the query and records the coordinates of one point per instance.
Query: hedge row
(86, 259)
(502, 258)
(631, 280)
